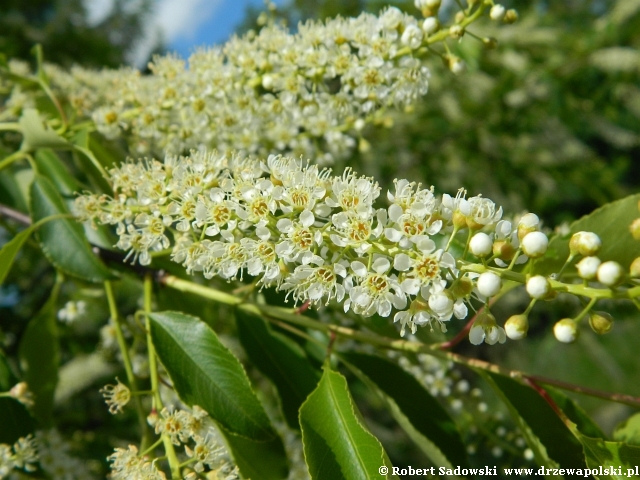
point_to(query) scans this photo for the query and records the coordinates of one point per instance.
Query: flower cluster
(298, 228)
(181, 427)
(21, 455)
(306, 93)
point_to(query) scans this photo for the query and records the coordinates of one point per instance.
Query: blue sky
(183, 24)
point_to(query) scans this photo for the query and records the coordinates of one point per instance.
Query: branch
(294, 317)
(13, 214)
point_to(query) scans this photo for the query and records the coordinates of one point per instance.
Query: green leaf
(49, 165)
(40, 357)
(628, 431)
(281, 360)
(576, 414)
(259, 460)
(14, 417)
(611, 223)
(63, 241)
(615, 460)
(423, 418)
(35, 135)
(10, 250)
(336, 444)
(552, 442)
(205, 373)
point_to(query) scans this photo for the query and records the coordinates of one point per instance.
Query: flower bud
(585, 243)
(430, 25)
(503, 250)
(511, 16)
(497, 12)
(489, 284)
(601, 322)
(634, 228)
(489, 42)
(610, 273)
(455, 64)
(588, 267)
(462, 287)
(21, 393)
(534, 244)
(460, 16)
(516, 327)
(634, 269)
(456, 31)
(566, 330)
(527, 224)
(481, 245)
(538, 287)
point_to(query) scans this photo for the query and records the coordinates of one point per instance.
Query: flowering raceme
(307, 93)
(296, 227)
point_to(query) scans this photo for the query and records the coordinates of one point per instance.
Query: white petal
(402, 262)
(476, 335)
(359, 268)
(307, 218)
(395, 211)
(381, 265)
(392, 234)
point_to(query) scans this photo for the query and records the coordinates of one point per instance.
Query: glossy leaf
(49, 165)
(423, 418)
(552, 442)
(40, 357)
(10, 249)
(205, 373)
(36, 135)
(63, 241)
(611, 222)
(628, 431)
(14, 417)
(263, 460)
(613, 460)
(336, 443)
(281, 360)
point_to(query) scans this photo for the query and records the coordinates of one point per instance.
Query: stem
(15, 156)
(289, 315)
(586, 309)
(151, 448)
(10, 127)
(126, 359)
(15, 215)
(573, 288)
(174, 463)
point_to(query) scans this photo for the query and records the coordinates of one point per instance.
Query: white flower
(72, 311)
(486, 330)
(377, 292)
(412, 36)
(116, 396)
